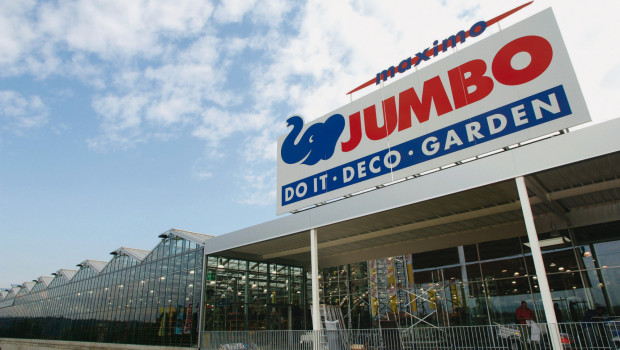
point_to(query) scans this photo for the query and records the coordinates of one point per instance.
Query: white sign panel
(515, 85)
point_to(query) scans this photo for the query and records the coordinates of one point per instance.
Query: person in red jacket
(524, 313)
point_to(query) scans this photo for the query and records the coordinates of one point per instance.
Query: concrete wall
(27, 344)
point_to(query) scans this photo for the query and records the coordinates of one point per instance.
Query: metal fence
(596, 336)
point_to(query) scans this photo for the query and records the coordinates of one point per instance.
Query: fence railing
(596, 336)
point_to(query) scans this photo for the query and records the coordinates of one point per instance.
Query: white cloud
(112, 29)
(258, 187)
(120, 113)
(233, 10)
(217, 124)
(19, 114)
(271, 12)
(47, 38)
(260, 148)
(87, 72)
(155, 64)
(592, 52)
(121, 120)
(16, 35)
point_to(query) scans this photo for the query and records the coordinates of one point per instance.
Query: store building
(460, 243)
(467, 239)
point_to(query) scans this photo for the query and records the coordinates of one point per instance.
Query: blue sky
(120, 120)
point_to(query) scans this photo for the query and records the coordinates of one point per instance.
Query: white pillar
(201, 307)
(464, 278)
(316, 311)
(541, 274)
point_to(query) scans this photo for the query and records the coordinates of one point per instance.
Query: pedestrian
(558, 313)
(523, 313)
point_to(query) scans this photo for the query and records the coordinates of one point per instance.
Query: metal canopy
(572, 179)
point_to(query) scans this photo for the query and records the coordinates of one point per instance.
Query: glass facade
(152, 301)
(484, 283)
(347, 287)
(249, 295)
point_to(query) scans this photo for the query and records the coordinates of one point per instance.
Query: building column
(246, 290)
(316, 311)
(202, 308)
(541, 273)
(464, 279)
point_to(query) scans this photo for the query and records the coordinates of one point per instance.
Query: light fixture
(587, 254)
(550, 242)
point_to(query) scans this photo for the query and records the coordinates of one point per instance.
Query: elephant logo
(318, 142)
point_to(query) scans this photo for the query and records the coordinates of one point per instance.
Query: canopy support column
(201, 307)
(541, 274)
(316, 311)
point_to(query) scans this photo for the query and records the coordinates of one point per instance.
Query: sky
(122, 119)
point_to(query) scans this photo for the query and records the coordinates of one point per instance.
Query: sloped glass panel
(57, 281)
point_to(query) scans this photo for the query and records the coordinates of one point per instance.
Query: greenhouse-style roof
(94, 264)
(190, 236)
(138, 254)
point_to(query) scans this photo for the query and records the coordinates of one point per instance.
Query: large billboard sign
(513, 86)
